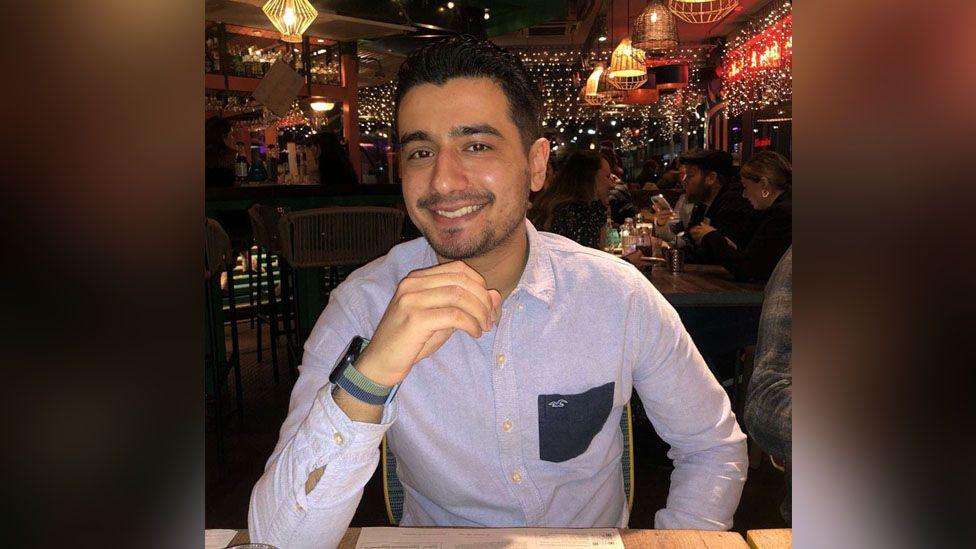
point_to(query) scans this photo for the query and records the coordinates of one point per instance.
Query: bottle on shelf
(241, 166)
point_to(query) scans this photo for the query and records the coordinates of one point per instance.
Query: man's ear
(538, 161)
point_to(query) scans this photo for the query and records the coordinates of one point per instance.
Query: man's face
(695, 183)
(466, 174)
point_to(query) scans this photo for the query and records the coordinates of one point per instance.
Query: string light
(758, 68)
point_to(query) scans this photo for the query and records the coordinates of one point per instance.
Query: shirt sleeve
(769, 406)
(757, 259)
(691, 412)
(317, 433)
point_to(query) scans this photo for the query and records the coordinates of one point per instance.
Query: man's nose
(448, 173)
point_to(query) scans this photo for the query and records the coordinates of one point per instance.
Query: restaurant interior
(303, 187)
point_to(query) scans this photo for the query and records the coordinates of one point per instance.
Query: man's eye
(478, 147)
(420, 153)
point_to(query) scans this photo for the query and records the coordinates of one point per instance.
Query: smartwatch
(360, 387)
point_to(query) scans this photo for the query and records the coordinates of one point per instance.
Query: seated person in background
(219, 154)
(499, 358)
(648, 176)
(575, 204)
(334, 165)
(769, 404)
(767, 182)
(670, 179)
(621, 202)
(717, 201)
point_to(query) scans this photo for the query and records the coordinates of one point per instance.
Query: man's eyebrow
(418, 135)
(463, 131)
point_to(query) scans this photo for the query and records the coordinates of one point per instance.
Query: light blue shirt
(518, 427)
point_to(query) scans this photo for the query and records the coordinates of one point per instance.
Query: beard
(493, 234)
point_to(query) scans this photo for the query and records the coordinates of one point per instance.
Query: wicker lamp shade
(702, 11)
(627, 66)
(598, 90)
(290, 17)
(655, 28)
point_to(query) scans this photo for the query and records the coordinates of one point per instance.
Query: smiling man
(497, 359)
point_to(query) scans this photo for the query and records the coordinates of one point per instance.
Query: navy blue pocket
(568, 423)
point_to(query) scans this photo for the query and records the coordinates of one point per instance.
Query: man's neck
(503, 266)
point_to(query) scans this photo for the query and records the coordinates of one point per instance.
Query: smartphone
(661, 202)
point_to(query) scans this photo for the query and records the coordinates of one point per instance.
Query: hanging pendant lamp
(598, 90)
(655, 28)
(702, 11)
(628, 69)
(290, 17)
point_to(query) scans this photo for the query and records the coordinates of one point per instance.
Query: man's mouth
(459, 212)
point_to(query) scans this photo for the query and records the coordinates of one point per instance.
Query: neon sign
(770, 49)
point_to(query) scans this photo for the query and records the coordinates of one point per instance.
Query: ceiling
(388, 30)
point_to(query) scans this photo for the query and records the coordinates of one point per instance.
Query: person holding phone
(767, 183)
(715, 198)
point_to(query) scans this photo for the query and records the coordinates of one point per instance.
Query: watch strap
(354, 382)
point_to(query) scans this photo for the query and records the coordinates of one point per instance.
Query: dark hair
(465, 56)
(649, 172)
(574, 182)
(216, 151)
(334, 164)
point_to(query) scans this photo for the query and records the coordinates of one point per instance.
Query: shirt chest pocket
(568, 423)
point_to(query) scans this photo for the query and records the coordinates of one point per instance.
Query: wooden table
(704, 286)
(654, 539)
(781, 538)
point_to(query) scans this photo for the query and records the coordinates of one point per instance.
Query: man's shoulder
(569, 256)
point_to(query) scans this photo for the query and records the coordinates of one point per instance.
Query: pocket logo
(558, 403)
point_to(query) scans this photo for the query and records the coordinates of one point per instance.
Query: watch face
(348, 357)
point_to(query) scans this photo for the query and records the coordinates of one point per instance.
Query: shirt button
(521, 306)
(506, 425)
(337, 437)
(299, 506)
(500, 360)
(516, 477)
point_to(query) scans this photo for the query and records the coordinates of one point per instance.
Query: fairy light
(758, 68)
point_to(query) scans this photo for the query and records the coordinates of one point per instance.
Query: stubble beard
(490, 238)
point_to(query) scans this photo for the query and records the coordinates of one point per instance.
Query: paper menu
(488, 538)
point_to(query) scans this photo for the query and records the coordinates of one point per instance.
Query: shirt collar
(537, 279)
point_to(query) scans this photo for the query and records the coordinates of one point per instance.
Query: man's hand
(661, 216)
(428, 307)
(699, 231)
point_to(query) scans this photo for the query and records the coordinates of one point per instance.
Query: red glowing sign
(770, 49)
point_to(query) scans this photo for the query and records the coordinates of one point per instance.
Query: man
(769, 406)
(717, 201)
(500, 358)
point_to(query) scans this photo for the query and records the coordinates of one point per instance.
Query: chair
(332, 237)
(264, 226)
(393, 490)
(218, 258)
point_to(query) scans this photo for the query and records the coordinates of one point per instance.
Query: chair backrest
(339, 236)
(216, 250)
(393, 490)
(264, 225)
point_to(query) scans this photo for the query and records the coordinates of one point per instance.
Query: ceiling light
(487, 15)
(702, 11)
(290, 17)
(321, 106)
(450, 5)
